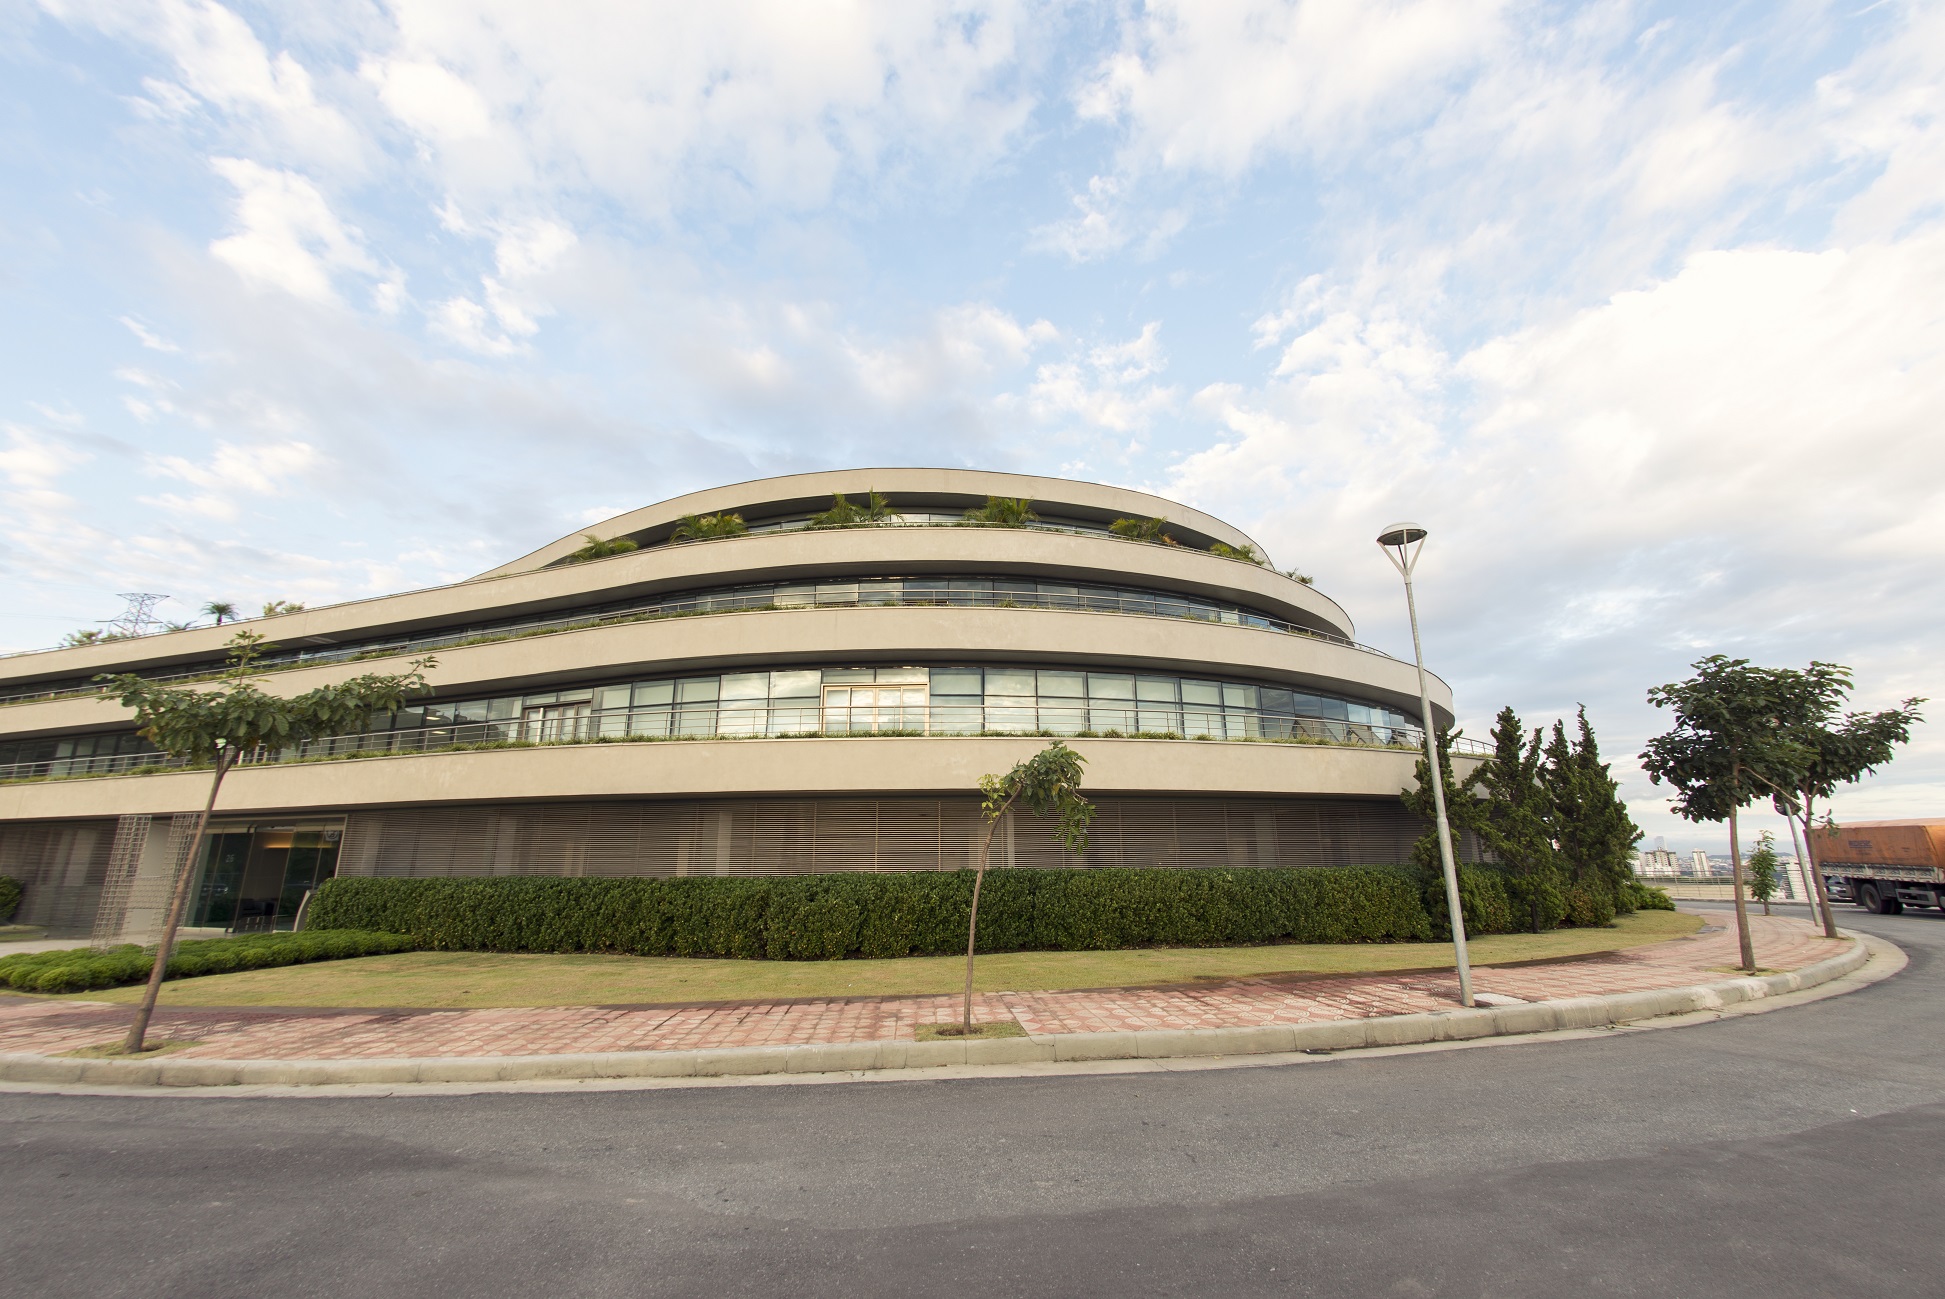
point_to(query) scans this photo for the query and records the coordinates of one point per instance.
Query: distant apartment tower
(1699, 863)
(1659, 861)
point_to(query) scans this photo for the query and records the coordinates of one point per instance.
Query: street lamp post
(1402, 543)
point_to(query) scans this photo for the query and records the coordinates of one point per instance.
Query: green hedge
(1646, 897)
(10, 892)
(82, 969)
(824, 917)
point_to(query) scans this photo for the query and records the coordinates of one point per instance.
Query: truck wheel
(1866, 895)
(1892, 907)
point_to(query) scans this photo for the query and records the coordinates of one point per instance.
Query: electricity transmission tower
(139, 618)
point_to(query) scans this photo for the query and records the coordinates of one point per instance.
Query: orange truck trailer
(1883, 865)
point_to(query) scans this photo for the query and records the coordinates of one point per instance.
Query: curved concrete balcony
(690, 769)
(885, 635)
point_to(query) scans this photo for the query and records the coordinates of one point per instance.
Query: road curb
(859, 1057)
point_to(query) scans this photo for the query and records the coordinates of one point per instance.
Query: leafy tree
(87, 636)
(1152, 530)
(1245, 553)
(1004, 512)
(1763, 870)
(1513, 816)
(1047, 784)
(1728, 747)
(1591, 826)
(849, 514)
(1838, 751)
(596, 548)
(224, 724)
(707, 527)
(221, 610)
(273, 608)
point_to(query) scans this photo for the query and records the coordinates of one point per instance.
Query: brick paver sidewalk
(50, 1027)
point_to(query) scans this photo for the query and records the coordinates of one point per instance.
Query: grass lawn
(477, 979)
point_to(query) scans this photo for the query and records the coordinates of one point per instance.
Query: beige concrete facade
(64, 831)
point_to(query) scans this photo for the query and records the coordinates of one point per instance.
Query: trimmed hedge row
(82, 969)
(923, 913)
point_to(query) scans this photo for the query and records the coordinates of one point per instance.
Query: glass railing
(800, 720)
(1140, 604)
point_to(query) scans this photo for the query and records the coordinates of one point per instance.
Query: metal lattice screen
(806, 836)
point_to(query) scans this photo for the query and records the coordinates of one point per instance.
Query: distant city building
(1659, 861)
(1698, 863)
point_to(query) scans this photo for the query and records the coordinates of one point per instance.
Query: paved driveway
(1794, 1153)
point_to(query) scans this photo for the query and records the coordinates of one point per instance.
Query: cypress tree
(1515, 823)
(1591, 826)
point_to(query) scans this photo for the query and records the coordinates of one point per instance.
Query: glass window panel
(795, 597)
(1206, 612)
(1111, 715)
(903, 676)
(576, 696)
(502, 709)
(1011, 681)
(1335, 709)
(1010, 719)
(1280, 702)
(1239, 696)
(613, 697)
(880, 592)
(1063, 718)
(475, 711)
(1160, 719)
(1199, 721)
(743, 720)
(957, 681)
(699, 720)
(926, 590)
(833, 676)
(1158, 688)
(1063, 685)
(970, 591)
(795, 714)
(955, 719)
(531, 701)
(837, 593)
(1100, 686)
(1015, 588)
(409, 718)
(840, 696)
(1201, 693)
(697, 689)
(741, 685)
(654, 692)
(649, 721)
(795, 685)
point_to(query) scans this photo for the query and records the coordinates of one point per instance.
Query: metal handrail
(708, 603)
(790, 719)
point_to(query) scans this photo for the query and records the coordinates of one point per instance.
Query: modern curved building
(797, 698)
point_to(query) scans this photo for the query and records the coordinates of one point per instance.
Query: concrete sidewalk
(1260, 1014)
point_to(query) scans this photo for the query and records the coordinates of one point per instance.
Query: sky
(1639, 308)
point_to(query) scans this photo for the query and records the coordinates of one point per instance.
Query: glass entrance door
(254, 877)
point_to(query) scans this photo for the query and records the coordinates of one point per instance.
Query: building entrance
(254, 877)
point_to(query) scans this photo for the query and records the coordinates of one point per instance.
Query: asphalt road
(1800, 1152)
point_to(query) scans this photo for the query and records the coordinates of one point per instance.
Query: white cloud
(232, 475)
(1214, 84)
(1108, 388)
(286, 236)
(147, 337)
(430, 100)
(219, 61)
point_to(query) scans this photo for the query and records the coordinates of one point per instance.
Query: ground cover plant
(479, 980)
(85, 968)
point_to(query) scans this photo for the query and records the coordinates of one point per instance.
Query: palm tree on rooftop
(221, 610)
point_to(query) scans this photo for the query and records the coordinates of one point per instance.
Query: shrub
(10, 892)
(920, 913)
(82, 969)
(1646, 897)
(1590, 904)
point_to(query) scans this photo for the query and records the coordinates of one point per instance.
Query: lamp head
(1401, 534)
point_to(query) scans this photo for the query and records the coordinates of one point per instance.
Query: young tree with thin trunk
(223, 725)
(221, 610)
(1047, 784)
(1841, 751)
(1729, 747)
(1763, 868)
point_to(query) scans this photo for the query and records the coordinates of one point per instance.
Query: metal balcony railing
(730, 720)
